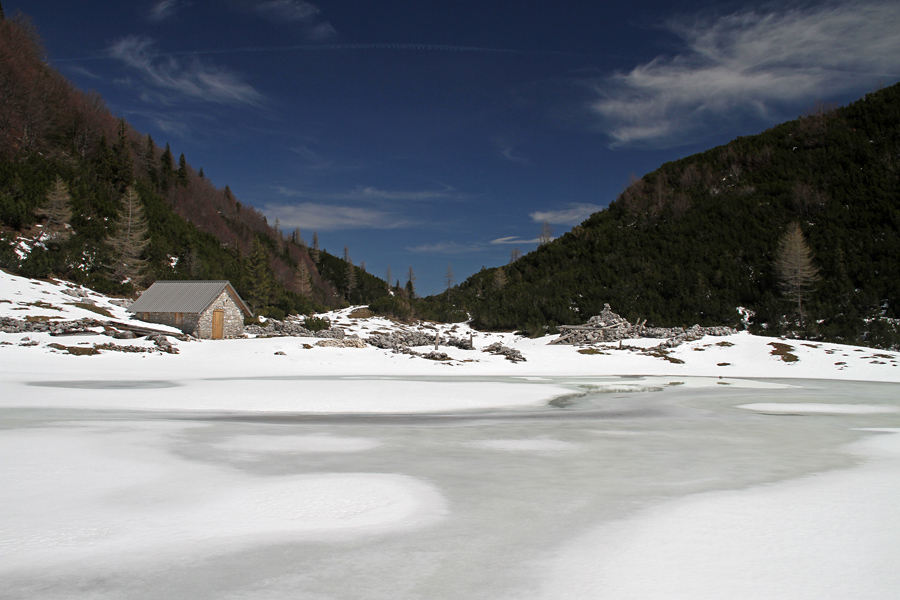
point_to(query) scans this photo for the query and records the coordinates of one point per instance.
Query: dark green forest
(66, 167)
(699, 237)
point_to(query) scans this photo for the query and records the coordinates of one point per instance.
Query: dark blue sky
(432, 133)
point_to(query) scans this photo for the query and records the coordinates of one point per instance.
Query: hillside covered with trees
(699, 237)
(85, 197)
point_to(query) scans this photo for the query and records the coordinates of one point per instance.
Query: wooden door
(218, 325)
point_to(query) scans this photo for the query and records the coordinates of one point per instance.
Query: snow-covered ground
(248, 374)
(230, 471)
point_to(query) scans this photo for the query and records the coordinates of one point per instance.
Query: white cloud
(751, 62)
(506, 151)
(327, 217)
(167, 75)
(291, 10)
(446, 248)
(298, 11)
(514, 241)
(374, 194)
(573, 215)
(166, 8)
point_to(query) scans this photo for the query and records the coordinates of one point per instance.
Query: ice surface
(586, 500)
(785, 407)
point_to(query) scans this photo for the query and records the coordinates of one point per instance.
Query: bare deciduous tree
(546, 233)
(56, 212)
(797, 274)
(448, 277)
(130, 238)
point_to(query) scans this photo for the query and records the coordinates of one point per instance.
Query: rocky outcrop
(610, 327)
(87, 326)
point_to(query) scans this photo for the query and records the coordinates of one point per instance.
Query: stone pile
(610, 327)
(292, 328)
(345, 342)
(511, 354)
(406, 339)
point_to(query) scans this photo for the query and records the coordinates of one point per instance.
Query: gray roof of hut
(184, 297)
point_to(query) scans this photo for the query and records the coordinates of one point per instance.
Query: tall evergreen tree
(166, 170)
(411, 283)
(182, 174)
(262, 288)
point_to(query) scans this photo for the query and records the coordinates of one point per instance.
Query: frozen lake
(622, 489)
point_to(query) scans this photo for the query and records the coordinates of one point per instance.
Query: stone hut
(204, 309)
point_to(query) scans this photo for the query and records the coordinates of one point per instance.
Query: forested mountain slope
(75, 182)
(699, 237)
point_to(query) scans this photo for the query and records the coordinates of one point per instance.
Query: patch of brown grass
(92, 308)
(590, 351)
(783, 351)
(76, 350)
(362, 313)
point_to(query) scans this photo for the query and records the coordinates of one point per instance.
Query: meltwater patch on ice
(843, 409)
(312, 443)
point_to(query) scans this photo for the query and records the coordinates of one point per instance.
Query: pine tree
(166, 170)
(796, 273)
(262, 279)
(411, 284)
(57, 212)
(130, 239)
(149, 159)
(182, 175)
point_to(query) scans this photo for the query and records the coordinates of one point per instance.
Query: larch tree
(546, 233)
(351, 276)
(797, 275)
(301, 280)
(130, 239)
(314, 250)
(56, 212)
(448, 276)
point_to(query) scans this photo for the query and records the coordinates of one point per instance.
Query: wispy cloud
(297, 11)
(514, 241)
(447, 248)
(573, 215)
(506, 151)
(291, 10)
(167, 77)
(751, 62)
(328, 217)
(374, 194)
(166, 8)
